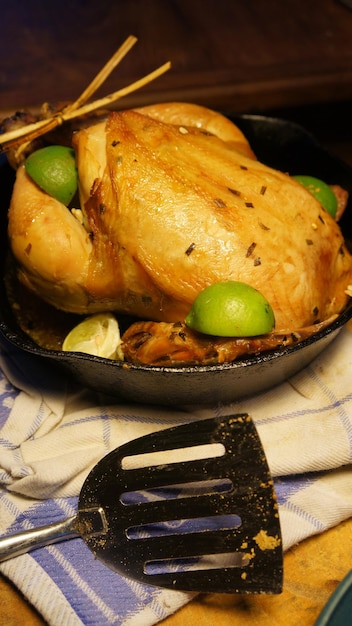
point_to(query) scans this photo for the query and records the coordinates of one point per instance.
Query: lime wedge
(98, 335)
(54, 170)
(231, 309)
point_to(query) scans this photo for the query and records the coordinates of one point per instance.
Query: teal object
(338, 610)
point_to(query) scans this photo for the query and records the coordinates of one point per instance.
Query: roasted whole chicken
(172, 199)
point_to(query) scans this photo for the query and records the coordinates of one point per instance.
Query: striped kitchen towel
(52, 433)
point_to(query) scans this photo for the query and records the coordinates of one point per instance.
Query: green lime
(98, 334)
(54, 170)
(321, 191)
(231, 309)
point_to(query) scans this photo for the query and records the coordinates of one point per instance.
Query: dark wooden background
(291, 58)
(242, 55)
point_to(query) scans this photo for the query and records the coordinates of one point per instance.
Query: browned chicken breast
(173, 200)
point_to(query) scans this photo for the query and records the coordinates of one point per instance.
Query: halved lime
(231, 309)
(98, 335)
(321, 191)
(54, 170)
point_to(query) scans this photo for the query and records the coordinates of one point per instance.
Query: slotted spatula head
(189, 508)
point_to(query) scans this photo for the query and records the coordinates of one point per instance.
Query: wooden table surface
(237, 56)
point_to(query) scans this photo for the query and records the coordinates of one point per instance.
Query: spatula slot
(167, 456)
(175, 492)
(203, 563)
(185, 527)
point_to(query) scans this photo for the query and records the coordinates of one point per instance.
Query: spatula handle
(28, 540)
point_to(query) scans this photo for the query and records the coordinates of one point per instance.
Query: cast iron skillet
(278, 143)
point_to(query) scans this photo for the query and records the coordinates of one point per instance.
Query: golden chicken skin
(173, 199)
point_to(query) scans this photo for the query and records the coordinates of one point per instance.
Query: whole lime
(231, 309)
(321, 191)
(54, 170)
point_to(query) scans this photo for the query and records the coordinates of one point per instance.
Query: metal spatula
(190, 508)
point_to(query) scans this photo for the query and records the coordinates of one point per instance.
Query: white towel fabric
(52, 434)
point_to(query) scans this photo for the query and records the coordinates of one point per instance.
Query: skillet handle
(28, 540)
